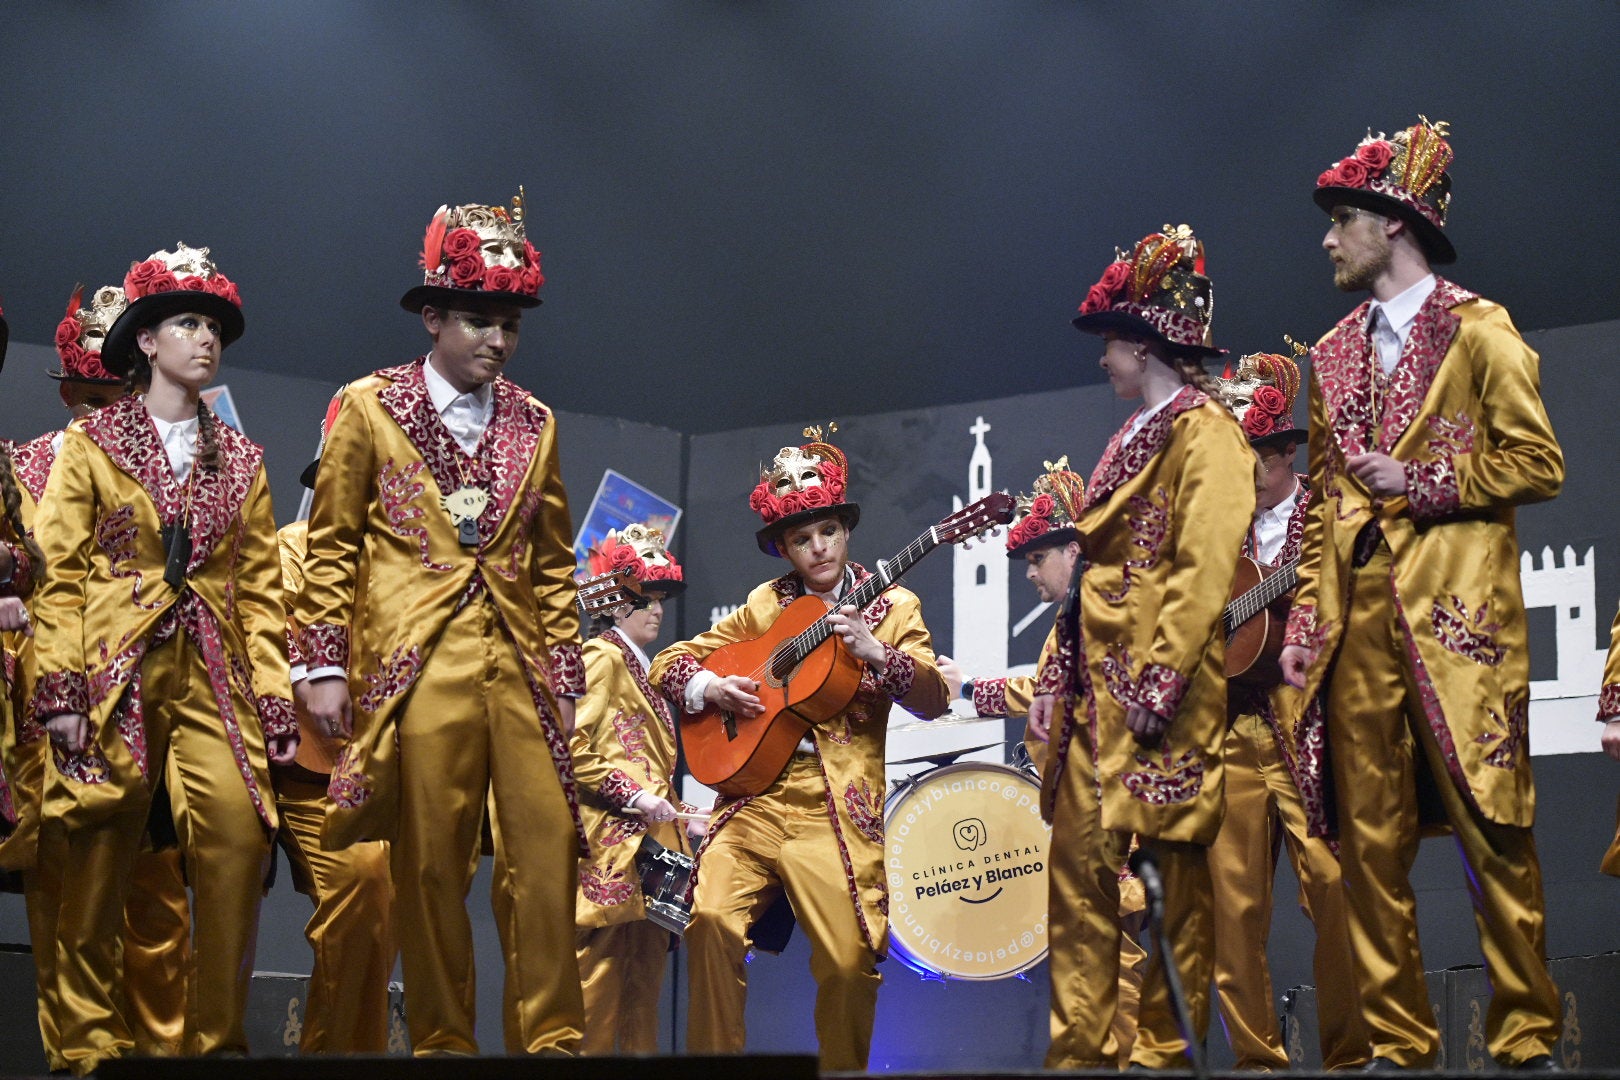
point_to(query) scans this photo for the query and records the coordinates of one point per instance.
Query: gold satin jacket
(104, 604)
(1463, 414)
(22, 745)
(377, 517)
(623, 744)
(850, 746)
(1161, 528)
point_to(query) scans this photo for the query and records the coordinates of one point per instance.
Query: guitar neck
(795, 649)
(1260, 597)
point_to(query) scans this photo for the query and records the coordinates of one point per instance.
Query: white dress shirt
(1271, 527)
(1392, 320)
(179, 444)
(465, 416)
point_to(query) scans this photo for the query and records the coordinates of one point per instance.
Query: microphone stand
(1146, 869)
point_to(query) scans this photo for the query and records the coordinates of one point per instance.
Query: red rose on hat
(531, 257)
(1328, 178)
(461, 242)
(1257, 423)
(792, 502)
(816, 497)
(625, 557)
(466, 270)
(1271, 400)
(67, 332)
(1097, 299)
(832, 478)
(73, 355)
(137, 283)
(161, 283)
(224, 288)
(532, 280)
(194, 283)
(1352, 173)
(1041, 506)
(1113, 279)
(503, 279)
(1375, 155)
(763, 503)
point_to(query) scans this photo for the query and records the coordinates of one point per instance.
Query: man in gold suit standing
(1265, 810)
(440, 482)
(1427, 431)
(1045, 539)
(815, 835)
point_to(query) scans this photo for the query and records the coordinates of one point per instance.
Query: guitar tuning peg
(967, 545)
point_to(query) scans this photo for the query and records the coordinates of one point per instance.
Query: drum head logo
(965, 899)
(971, 834)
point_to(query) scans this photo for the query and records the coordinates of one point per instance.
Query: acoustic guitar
(805, 673)
(1255, 620)
(318, 751)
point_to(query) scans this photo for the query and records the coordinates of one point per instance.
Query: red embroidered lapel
(31, 461)
(1295, 536)
(1122, 460)
(1342, 364)
(1426, 347)
(659, 703)
(124, 432)
(503, 454)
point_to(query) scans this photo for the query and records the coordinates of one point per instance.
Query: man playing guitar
(1263, 803)
(815, 835)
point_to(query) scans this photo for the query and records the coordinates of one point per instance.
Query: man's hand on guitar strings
(847, 623)
(734, 694)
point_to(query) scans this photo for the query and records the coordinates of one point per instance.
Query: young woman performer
(1139, 750)
(162, 663)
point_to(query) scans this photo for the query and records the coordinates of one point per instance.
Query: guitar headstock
(997, 508)
(608, 590)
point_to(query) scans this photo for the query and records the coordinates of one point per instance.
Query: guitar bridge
(729, 722)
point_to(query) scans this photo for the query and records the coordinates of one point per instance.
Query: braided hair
(13, 508)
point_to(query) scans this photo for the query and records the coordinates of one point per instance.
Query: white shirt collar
(1403, 309)
(1285, 509)
(179, 443)
(646, 664)
(443, 395)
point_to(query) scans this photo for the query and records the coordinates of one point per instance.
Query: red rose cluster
(773, 507)
(76, 359)
(612, 555)
(463, 253)
(1037, 522)
(1266, 413)
(1101, 296)
(152, 277)
(1370, 159)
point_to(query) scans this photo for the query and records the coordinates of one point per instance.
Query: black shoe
(1379, 1064)
(1538, 1063)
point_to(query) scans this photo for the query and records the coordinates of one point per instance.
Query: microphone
(1146, 869)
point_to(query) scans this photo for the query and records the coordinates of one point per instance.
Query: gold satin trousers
(781, 842)
(470, 729)
(621, 969)
(350, 933)
(1085, 934)
(1379, 740)
(226, 851)
(1264, 814)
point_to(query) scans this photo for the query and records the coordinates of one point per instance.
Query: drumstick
(680, 815)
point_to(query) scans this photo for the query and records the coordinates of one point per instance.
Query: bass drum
(966, 853)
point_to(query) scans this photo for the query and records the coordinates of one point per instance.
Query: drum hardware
(666, 882)
(942, 758)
